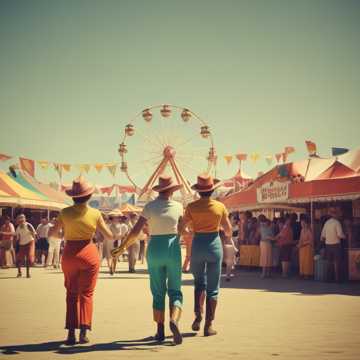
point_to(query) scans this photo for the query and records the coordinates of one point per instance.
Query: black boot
(199, 299)
(71, 340)
(175, 314)
(210, 316)
(160, 334)
(83, 339)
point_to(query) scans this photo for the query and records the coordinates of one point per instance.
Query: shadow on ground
(58, 347)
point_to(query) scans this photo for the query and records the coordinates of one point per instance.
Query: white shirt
(163, 216)
(24, 234)
(332, 232)
(119, 230)
(43, 230)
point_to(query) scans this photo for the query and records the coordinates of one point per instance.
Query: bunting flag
(4, 157)
(66, 167)
(44, 164)
(58, 169)
(112, 169)
(269, 159)
(228, 159)
(284, 156)
(28, 166)
(241, 157)
(338, 151)
(311, 147)
(289, 149)
(99, 167)
(278, 157)
(254, 157)
(84, 167)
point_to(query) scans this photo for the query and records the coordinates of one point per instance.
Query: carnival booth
(314, 185)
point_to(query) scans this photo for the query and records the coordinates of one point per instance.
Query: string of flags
(29, 166)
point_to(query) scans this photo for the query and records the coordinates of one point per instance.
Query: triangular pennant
(4, 157)
(241, 157)
(269, 159)
(311, 147)
(99, 167)
(254, 157)
(84, 167)
(228, 159)
(28, 166)
(289, 149)
(278, 157)
(66, 167)
(112, 169)
(44, 164)
(58, 169)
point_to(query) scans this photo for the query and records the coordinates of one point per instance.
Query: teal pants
(206, 259)
(164, 265)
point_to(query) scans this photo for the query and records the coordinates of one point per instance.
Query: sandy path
(257, 319)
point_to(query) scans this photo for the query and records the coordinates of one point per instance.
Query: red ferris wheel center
(169, 152)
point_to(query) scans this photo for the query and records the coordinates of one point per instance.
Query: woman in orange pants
(80, 261)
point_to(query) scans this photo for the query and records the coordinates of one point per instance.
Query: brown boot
(175, 314)
(210, 316)
(159, 318)
(199, 300)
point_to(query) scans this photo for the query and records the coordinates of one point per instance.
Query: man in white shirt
(54, 240)
(332, 234)
(42, 244)
(25, 237)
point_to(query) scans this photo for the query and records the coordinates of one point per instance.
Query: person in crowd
(306, 249)
(206, 216)
(230, 251)
(187, 237)
(42, 244)
(25, 242)
(99, 239)
(134, 249)
(7, 233)
(254, 235)
(143, 238)
(285, 242)
(54, 239)
(266, 238)
(295, 226)
(163, 254)
(80, 261)
(242, 229)
(332, 234)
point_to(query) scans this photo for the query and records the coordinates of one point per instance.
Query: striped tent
(14, 194)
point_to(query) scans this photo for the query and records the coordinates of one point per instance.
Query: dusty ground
(256, 319)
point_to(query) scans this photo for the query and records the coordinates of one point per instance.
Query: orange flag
(311, 147)
(66, 167)
(278, 157)
(84, 167)
(241, 157)
(4, 157)
(44, 164)
(228, 159)
(28, 166)
(289, 149)
(99, 167)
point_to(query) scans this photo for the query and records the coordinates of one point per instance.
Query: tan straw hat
(206, 183)
(166, 183)
(80, 188)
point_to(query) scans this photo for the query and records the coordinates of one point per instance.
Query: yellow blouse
(205, 215)
(79, 222)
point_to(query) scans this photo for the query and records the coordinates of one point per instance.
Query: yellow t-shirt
(79, 222)
(206, 215)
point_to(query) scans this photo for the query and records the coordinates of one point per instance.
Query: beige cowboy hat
(80, 188)
(166, 183)
(116, 213)
(206, 183)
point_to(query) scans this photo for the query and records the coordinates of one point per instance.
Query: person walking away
(306, 249)
(266, 238)
(332, 234)
(285, 242)
(163, 254)
(25, 238)
(54, 239)
(230, 251)
(7, 233)
(206, 217)
(134, 249)
(42, 244)
(143, 238)
(187, 238)
(80, 261)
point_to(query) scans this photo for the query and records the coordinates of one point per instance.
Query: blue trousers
(164, 265)
(206, 259)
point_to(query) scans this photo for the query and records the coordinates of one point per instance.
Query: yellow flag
(44, 164)
(66, 167)
(254, 157)
(112, 168)
(99, 167)
(269, 159)
(84, 167)
(228, 159)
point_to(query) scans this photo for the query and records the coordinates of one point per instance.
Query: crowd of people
(291, 241)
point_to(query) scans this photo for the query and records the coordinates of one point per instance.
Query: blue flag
(338, 151)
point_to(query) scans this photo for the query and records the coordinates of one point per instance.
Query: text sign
(273, 192)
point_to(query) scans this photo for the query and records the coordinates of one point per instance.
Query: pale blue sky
(263, 74)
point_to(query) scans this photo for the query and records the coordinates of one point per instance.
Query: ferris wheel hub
(169, 152)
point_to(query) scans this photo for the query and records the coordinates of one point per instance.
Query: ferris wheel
(170, 140)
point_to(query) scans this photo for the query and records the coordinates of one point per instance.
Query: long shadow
(58, 347)
(252, 281)
(122, 277)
